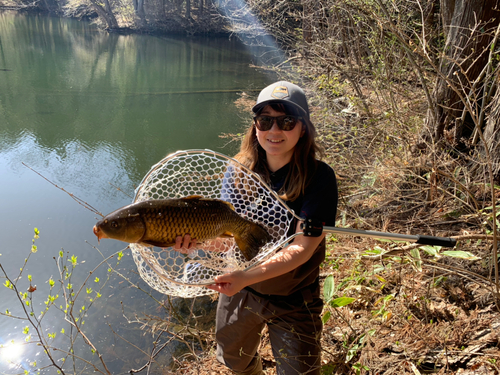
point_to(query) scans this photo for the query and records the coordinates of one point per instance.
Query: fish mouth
(99, 233)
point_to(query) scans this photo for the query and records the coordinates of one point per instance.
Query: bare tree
(463, 87)
(105, 12)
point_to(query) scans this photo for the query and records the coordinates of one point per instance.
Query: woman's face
(278, 143)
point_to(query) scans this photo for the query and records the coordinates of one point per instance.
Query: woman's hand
(185, 244)
(285, 260)
(229, 283)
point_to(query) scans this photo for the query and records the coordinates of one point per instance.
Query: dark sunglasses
(285, 123)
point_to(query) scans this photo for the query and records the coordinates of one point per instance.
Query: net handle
(312, 228)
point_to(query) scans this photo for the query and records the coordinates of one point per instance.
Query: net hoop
(212, 175)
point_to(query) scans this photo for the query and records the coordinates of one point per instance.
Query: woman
(283, 292)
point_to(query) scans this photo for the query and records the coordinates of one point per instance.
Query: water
(92, 112)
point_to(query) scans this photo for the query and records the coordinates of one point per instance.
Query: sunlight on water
(248, 27)
(11, 353)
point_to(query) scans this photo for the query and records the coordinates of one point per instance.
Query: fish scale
(187, 219)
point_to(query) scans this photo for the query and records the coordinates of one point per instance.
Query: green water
(92, 112)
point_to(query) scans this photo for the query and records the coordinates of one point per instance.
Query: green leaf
(328, 288)
(342, 301)
(415, 254)
(460, 254)
(326, 317)
(431, 250)
(351, 353)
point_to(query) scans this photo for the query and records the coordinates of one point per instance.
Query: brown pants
(294, 326)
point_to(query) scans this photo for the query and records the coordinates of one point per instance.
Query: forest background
(405, 98)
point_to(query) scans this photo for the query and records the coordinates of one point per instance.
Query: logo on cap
(280, 92)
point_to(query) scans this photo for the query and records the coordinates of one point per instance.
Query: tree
(139, 11)
(105, 12)
(465, 80)
(492, 133)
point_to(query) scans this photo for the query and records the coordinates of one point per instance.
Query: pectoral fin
(226, 235)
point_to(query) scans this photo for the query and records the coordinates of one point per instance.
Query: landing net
(211, 175)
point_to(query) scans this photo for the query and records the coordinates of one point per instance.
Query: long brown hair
(303, 162)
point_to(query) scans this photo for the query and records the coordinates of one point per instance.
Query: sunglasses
(285, 123)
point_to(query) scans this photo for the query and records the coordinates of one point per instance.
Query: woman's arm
(286, 260)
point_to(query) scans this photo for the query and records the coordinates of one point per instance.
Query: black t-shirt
(319, 202)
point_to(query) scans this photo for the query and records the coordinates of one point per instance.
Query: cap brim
(257, 107)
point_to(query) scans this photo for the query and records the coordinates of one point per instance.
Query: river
(92, 112)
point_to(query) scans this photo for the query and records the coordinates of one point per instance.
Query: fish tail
(251, 239)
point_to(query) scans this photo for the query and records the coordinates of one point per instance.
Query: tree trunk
(468, 25)
(307, 31)
(492, 133)
(105, 13)
(139, 11)
(188, 9)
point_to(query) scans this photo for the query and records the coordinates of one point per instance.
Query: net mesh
(211, 175)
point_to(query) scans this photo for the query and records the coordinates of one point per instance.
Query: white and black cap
(285, 93)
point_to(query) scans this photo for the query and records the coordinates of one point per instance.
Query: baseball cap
(283, 92)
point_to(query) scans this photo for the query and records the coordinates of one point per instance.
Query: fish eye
(114, 224)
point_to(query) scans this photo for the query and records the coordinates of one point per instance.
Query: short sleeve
(320, 197)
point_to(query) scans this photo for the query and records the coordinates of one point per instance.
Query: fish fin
(226, 235)
(229, 204)
(251, 239)
(189, 197)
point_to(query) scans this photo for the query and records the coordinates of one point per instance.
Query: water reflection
(91, 112)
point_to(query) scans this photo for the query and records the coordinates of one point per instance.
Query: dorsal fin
(229, 204)
(192, 197)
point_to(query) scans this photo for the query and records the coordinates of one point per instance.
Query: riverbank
(207, 23)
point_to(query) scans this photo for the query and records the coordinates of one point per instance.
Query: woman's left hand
(229, 283)
(285, 260)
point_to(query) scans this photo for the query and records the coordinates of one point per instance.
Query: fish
(157, 222)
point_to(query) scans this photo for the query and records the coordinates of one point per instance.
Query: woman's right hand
(185, 244)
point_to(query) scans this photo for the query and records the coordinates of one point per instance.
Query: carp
(158, 222)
